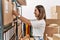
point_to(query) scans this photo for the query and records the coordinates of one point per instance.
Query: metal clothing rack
(16, 22)
(1, 22)
(2, 28)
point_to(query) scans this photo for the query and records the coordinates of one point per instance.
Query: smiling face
(39, 12)
(36, 12)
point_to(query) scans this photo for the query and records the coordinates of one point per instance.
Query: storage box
(52, 21)
(55, 9)
(55, 12)
(54, 15)
(51, 30)
(7, 11)
(56, 37)
(58, 9)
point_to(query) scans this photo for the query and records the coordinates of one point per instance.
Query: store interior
(15, 29)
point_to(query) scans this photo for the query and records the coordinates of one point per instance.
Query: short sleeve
(38, 24)
(38, 27)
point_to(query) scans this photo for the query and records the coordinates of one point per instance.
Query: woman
(39, 24)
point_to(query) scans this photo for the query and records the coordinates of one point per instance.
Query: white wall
(28, 10)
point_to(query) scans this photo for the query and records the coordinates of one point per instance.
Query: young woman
(39, 24)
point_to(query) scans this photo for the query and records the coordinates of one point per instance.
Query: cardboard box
(55, 9)
(50, 31)
(52, 21)
(54, 16)
(55, 12)
(22, 2)
(7, 11)
(58, 9)
(56, 37)
(58, 16)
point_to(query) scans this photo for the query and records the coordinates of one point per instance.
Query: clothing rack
(5, 28)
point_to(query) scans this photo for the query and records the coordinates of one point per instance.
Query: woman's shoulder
(42, 21)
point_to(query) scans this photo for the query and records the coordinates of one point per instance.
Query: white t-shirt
(38, 27)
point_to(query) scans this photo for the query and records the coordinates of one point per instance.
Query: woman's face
(36, 12)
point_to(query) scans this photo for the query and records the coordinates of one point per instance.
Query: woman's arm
(22, 18)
